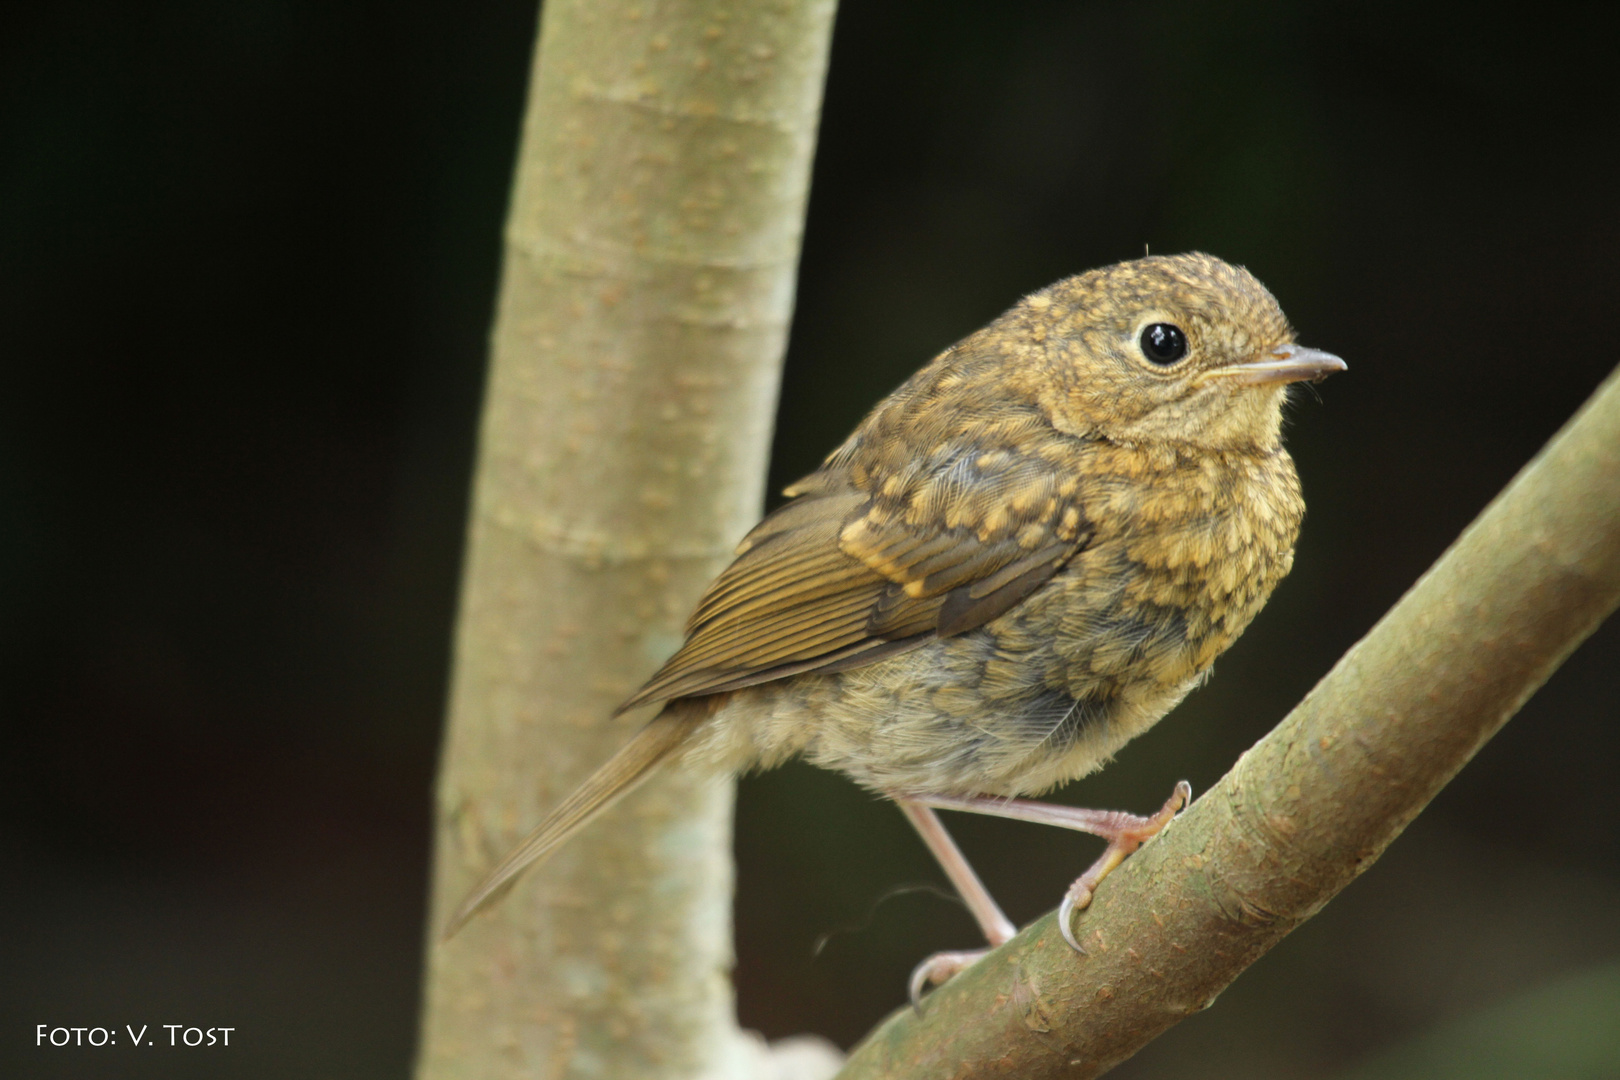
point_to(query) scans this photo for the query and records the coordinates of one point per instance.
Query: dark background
(247, 260)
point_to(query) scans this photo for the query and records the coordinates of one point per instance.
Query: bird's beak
(1285, 364)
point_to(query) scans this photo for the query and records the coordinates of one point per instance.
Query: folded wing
(845, 575)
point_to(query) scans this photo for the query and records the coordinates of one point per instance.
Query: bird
(1021, 559)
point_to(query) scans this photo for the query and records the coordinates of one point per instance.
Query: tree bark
(651, 249)
(1311, 805)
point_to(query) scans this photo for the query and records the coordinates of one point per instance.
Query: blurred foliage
(1562, 1031)
(247, 260)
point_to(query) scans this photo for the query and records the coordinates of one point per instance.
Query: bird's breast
(1182, 559)
(1184, 556)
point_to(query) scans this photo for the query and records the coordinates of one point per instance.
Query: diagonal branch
(1311, 805)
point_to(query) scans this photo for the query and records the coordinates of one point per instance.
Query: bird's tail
(620, 775)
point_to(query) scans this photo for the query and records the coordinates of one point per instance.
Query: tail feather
(620, 775)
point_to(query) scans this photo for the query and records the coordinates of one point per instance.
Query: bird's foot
(939, 968)
(1124, 833)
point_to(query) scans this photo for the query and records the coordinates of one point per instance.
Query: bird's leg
(996, 926)
(1124, 833)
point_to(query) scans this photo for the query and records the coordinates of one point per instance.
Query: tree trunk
(650, 257)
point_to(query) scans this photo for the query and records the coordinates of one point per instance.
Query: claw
(937, 969)
(915, 985)
(1183, 789)
(1066, 923)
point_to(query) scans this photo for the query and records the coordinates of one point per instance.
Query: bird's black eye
(1163, 343)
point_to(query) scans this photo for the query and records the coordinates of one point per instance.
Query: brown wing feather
(847, 575)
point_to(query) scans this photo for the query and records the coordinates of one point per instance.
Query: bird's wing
(846, 575)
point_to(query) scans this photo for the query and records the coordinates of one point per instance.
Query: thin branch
(1311, 805)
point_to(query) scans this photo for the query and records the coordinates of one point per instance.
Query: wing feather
(849, 573)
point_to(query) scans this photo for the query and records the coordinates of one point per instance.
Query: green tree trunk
(651, 250)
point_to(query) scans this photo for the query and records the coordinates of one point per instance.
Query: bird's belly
(1003, 710)
(899, 727)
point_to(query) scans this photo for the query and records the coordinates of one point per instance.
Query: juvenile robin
(1021, 559)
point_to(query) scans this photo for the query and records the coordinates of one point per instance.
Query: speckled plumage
(1021, 559)
(1010, 446)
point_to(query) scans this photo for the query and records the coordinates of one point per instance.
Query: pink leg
(996, 926)
(1124, 833)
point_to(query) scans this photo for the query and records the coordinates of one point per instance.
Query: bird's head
(1182, 348)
